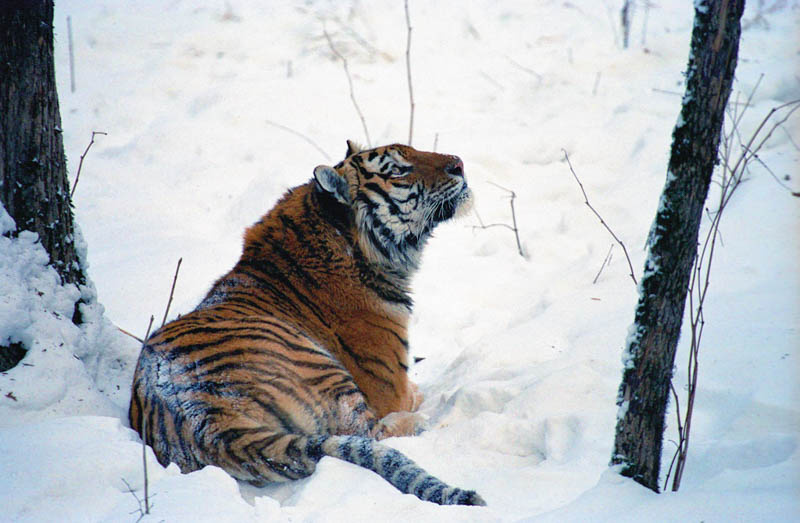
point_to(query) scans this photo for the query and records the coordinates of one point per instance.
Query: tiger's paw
(416, 396)
(401, 424)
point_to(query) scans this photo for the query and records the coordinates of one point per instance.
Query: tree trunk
(33, 177)
(672, 245)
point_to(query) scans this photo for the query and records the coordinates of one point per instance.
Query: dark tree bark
(672, 245)
(33, 177)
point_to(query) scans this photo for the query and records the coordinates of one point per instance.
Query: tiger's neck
(307, 249)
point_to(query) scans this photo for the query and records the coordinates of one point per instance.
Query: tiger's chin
(456, 207)
(465, 203)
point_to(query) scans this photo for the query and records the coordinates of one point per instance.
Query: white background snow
(522, 355)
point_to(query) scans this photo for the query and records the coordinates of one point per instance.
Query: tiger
(301, 350)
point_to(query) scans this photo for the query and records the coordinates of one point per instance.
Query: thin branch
(138, 501)
(644, 23)
(489, 78)
(528, 70)
(750, 150)
(605, 261)
(770, 171)
(596, 83)
(123, 331)
(679, 445)
(350, 83)
(586, 201)
(301, 135)
(71, 56)
(738, 120)
(513, 218)
(80, 163)
(408, 74)
(657, 90)
(171, 291)
(625, 22)
(789, 135)
(144, 436)
(360, 40)
(149, 326)
(504, 225)
(144, 464)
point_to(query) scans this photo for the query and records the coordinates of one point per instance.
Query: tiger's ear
(352, 148)
(333, 183)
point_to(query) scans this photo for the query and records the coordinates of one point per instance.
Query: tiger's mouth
(454, 206)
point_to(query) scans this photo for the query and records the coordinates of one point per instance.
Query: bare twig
(625, 22)
(771, 173)
(679, 445)
(408, 74)
(171, 291)
(71, 56)
(147, 334)
(489, 78)
(144, 439)
(140, 510)
(356, 36)
(435, 141)
(123, 331)
(789, 135)
(657, 90)
(644, 23)
(528, 70)
(80, 163)
(602, 221)
(513, 195)
(605, 261)
(144, 465)
(596, 83)
(300, 135)
(350, 83)
(146, 510)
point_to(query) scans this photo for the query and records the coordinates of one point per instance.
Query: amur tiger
(301, 351)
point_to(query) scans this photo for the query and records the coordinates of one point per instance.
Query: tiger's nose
(455, 167)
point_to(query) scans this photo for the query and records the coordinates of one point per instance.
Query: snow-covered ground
(522, 355)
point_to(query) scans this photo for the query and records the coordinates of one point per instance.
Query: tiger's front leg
(374, 350)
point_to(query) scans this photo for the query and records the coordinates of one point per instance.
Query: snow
(522, 355)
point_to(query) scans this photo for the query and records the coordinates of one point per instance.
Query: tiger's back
(300, 350)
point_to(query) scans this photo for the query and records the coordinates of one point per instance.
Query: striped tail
(393, 466)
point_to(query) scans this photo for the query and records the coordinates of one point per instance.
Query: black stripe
(271, 355)
(402, 340)
(394, 210)
(302, 298)
(360, 360)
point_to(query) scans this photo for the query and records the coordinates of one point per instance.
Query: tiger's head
(397, 196)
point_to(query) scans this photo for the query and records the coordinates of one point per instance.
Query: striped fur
(301, 350)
